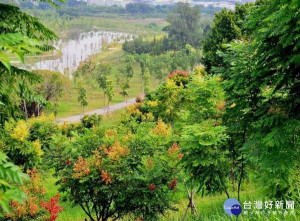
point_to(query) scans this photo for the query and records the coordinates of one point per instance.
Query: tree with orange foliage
(106, 176)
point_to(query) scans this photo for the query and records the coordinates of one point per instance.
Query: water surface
(76, 50)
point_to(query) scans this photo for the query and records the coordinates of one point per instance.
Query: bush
(25, 141)
(34, 207)
(89, 121)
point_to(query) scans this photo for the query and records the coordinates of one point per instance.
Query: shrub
(26, 141)
(179, 77)
(52, 207)
(89, 121)
(34, 207)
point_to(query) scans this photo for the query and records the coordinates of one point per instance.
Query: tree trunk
(55, 107)
(142, 90)
(104, 98)
(191, 204)
(25, 109)
(241, 177)
(107, 107)
(38, 109)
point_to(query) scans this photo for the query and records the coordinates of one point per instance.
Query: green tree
(144, 60)
(203, 136)
(184, 26)
(157, 69)
(227, 25)
(104, 72)
(124, 89)
(20, 34)
(90, 121)
(51, 88)
(82, 97)
(146, 80)
(262, 89)
(129, 59)
(109, 91)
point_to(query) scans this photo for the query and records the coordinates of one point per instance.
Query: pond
(73, 51)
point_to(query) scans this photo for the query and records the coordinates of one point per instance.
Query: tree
(137, 46)
(144, 60)
(158, 67)
(104, 72)
(262, 89)
(90, 121)
(24, 142)
(146, 79)
(117, 171)
(202, 135)
(82, 97)
(20, 34)
(129, 59)
(109, 91)
(184, 26)
(124, 89)
(227, 25)
(193, 103)
(51, 88)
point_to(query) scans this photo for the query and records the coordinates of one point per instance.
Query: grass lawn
(210, 207)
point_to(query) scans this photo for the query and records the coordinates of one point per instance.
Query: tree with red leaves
(53, 207)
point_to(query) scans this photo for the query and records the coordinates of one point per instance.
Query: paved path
(102, 111)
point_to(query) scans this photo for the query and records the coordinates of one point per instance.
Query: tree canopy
(227, 26)
(261, 82)
(184, 27)
(20, 34)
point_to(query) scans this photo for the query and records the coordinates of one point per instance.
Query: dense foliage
(211, 130)
(184, 27)
(10, 177)
(227, 26)
(20, 34)
(264, 91)
(126, 178)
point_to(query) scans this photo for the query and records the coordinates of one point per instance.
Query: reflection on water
(78, 49)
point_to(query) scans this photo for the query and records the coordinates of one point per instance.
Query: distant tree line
(185, 28)
(81, 8)
(141, 8)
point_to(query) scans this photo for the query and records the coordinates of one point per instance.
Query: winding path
(101, 111)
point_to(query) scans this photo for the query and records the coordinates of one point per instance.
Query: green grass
(209, 207)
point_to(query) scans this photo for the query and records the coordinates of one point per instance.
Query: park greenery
(216, 117)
